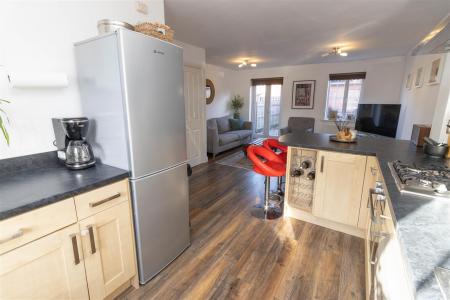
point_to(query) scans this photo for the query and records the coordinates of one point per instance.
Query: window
(266, 103)
(344, 91)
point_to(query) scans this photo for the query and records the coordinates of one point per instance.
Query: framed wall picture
(409, 80)
(419, 78)
(303, 94)
(434, 72)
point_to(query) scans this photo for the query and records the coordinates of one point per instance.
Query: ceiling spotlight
(246, 63)
(335, 51)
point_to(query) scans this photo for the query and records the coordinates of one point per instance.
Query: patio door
(266, 103)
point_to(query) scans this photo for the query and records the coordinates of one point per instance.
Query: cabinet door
(370, 178)
(48, 268)
(108, 249)
(339, 183)
(368, 261)
(390, 276)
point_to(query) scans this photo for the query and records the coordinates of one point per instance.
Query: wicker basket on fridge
(155, 29)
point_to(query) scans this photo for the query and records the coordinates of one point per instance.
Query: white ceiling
(290, 32)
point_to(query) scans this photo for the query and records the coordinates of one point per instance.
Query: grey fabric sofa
(298, 124)
(220, 137)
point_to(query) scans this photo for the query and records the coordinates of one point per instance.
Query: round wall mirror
(210, 91)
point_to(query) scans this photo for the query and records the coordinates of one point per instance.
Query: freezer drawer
(161, 212)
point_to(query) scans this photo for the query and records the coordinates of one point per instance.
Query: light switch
(142, 7)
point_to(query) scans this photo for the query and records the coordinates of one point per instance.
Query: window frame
(345, 97)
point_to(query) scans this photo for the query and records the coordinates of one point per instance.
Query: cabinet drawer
(24, 228)
(100, 199)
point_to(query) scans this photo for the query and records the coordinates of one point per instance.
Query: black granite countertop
(422, 224)
(34, 181)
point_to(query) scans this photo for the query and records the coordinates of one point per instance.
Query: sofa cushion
(223, 125)
(228, 137)
(235, 124)
(243, 133)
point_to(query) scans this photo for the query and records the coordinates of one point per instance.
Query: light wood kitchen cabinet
(102, 198)
(372, 174)
(338, 189)
(27, 227)
(108, 248)
(390, 278)
(88, 253)
(48, 268)
(386, 275)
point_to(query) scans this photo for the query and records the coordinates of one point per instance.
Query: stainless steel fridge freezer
(131, 88)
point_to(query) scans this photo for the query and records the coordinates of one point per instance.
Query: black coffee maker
(77, 153)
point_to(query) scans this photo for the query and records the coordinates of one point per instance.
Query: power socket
(142, 7)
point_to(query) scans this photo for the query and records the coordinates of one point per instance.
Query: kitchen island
(422, 224)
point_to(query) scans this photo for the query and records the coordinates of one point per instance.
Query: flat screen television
(379, 119)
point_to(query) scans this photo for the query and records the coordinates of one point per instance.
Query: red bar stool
(281, 151)
(266, 163)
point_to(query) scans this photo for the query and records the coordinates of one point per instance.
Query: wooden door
(108, 250)
(48, 268)
(339, 183)
(195, 105)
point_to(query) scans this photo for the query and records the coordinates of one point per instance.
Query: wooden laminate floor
(235, 256)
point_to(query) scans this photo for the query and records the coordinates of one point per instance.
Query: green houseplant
(237, 102)
(3, 118)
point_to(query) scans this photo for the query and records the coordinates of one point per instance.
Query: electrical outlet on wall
(142, 7)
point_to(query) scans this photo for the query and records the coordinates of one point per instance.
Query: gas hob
(432, 181)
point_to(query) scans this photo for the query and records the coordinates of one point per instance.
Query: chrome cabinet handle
(90, 229)
(371, 205)
(97, 203)
(322, 162)
(76, 254)
(372, 254)
(373, 171)
(380, 235)
(19, 232)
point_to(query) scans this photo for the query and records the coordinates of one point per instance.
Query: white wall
(221, 79)
(382, 85)
(418, 104)
(442, 110)
(39, 36)
(193, 56)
